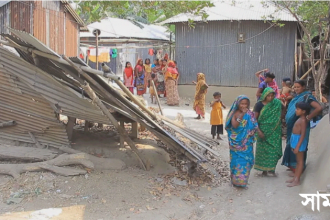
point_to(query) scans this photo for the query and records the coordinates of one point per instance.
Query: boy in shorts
(299, 141)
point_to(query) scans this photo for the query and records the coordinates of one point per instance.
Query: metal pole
(171, 46)
(97, 50)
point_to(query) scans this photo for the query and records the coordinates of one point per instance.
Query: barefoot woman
(201, 90)
(269, 147)
(241, 127)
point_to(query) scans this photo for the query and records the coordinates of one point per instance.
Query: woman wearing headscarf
(139, 77)
(201, 90)
(128, 77)
(160, 85)
(147, 69)
(302, 95)
(171, 83)
(241, 127)
(269, 146)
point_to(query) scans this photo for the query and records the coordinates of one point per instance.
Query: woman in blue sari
(302, 95)
(241, 127)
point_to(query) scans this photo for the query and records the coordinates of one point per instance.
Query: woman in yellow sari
(147, 71)
(171, 84)
(201, 90)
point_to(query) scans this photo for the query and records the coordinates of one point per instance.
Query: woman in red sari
(139, 77)
(128, 77)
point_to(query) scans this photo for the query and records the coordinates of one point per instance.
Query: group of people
(163, 74)
(263, 125)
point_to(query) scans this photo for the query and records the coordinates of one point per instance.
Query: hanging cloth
(103, 55)
(114, 53)
(151, 52)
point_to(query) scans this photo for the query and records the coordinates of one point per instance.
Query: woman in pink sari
(128, 77)
(139, 77)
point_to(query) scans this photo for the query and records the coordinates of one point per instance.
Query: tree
(313, 17)
(143, 11)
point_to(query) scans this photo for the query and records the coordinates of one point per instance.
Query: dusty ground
(148, 195)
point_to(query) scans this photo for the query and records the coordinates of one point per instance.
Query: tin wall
(211, 48)
(56, 28)
(5, 18)
(21, 14)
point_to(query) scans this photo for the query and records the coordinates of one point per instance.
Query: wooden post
(135, 100)
(35, 141)
(107, 113)
(310, 70)
(7, 124)
(69, 127)
(86, 126)
(135, 132)
(122, 140)
(158, 102)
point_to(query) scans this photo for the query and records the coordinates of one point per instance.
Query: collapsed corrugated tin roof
(42, 76)
(247, 10)
(121, 28)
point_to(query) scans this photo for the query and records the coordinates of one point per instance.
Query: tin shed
(234, 43)
(54, 23)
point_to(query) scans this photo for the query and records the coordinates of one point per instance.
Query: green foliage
(144, 11)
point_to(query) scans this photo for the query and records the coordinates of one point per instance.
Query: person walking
(267, 112)
(302, 95)
(201, 90)
(241, 127)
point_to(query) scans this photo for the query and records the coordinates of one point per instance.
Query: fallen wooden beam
(30, 154)
(310, 70)
(158, 102)
(54, 165)
(7, 124)
(35, 141)
(99, 163)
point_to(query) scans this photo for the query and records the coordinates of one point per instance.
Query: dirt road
(137, 194)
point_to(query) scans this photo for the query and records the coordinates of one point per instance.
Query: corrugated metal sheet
(29, 109)
(20, 13)
(122, 28)
(227, 11)
(198, 50)
(61, 98)
(64, 97)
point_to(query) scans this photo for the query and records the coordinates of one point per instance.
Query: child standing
(216, 116)
(151, 89)
(299, 140)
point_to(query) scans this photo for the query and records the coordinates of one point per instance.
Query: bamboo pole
(201, 144)
(134, 99)
(310, 69)
(158, 102)
(107, 113)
